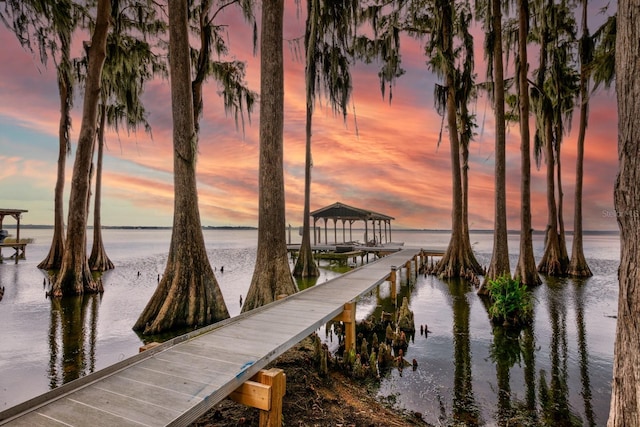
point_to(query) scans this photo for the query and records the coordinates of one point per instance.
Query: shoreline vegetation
(243, 227)
(312, 399)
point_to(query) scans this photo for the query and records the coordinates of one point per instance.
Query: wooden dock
(337, 252)
(176, 382)
(19, 251)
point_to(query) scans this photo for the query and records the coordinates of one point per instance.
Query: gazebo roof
(12, 211)
(345, 212)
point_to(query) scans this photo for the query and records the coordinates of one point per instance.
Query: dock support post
(348, 317)
(264, 391)
(407, 266)
(416, 265)
(276, 380)
(392, 279)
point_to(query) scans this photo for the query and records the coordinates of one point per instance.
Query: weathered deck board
(176, 382)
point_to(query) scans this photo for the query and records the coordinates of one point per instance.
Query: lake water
(466, 372)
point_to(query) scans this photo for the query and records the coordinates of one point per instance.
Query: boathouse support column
(375, 236)
(366, 232)
(386, 238)
(315, 236)
(17, 216)
(390, 239)
(348, 317)
(326, 238)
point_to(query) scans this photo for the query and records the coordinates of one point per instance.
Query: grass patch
(10, 240)
(511, 302)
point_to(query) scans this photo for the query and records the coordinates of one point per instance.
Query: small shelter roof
(346, 213)
(12, 211)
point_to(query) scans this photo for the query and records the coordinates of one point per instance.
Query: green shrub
(511, 302)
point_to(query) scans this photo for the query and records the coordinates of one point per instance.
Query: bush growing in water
(511, 302)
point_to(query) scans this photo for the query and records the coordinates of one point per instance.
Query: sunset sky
(391, 165)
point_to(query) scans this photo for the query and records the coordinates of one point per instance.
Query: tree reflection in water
(511, 346)
(465, 409)
(578, 285)
(554, 397)
(72, 338)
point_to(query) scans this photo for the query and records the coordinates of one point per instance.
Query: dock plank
(137, 409)
(72, 413)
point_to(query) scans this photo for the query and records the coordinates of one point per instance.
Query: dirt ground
(314, 401)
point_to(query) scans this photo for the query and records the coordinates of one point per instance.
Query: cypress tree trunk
(305, 264)
(625, 394)
(500, 257)
(272, 275)
(98, 260)
(554, 260)
(458, 257)
(551, 262)
(578, 266)
(188, 294)
(526, 268)
(562, 240)
(75, 276)
(53, 260)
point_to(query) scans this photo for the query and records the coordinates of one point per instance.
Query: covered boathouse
(379, 234)
(18, 246)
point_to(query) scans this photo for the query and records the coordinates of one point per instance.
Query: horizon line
(249, 227)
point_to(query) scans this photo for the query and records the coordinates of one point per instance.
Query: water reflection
(554, 396)
(507, 349)
(578, 289)
(72, 338)
(511, 347)
(465, 408)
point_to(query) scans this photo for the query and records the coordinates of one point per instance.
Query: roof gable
(345, 212)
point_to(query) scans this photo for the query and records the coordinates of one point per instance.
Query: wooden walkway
(179, 380)
(19, 251)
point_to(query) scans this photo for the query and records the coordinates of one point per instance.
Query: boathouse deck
(176, 382)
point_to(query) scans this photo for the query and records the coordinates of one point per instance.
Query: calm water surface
(466, 370)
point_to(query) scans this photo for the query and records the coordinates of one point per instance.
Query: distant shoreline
(231, 227)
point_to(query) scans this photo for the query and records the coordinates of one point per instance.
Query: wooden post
(416, 264)
(264, 391)
(392, 279)
(348, 317)
(276, 380)
(148, 346)
(407, 266)
(17, 229)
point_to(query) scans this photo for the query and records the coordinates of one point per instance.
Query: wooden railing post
(276, 380)
(264, 391)
(392, 279)
(348, 317)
